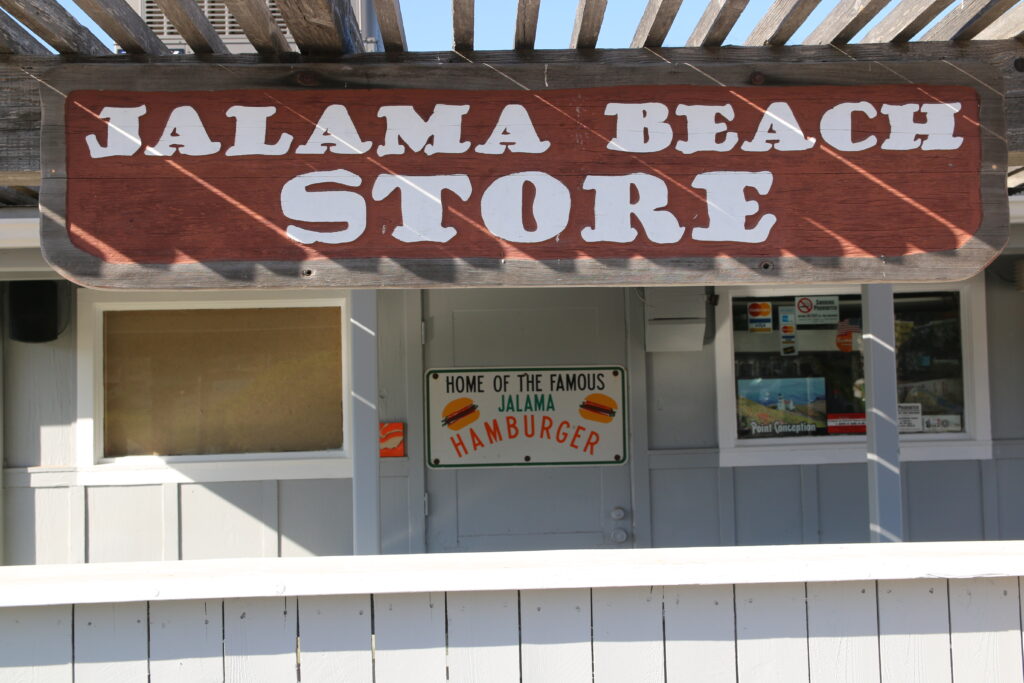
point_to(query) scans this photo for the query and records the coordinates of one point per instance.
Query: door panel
(540, 507)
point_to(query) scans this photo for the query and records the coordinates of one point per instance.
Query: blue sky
(428, 22)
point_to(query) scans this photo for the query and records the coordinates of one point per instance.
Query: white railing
(897, 612)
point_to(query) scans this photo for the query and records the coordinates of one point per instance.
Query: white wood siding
(927, 630)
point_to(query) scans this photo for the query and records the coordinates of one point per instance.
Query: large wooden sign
(493, 181)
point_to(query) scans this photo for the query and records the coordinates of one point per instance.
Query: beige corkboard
(251, 380)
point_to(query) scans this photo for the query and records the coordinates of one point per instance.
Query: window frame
(974, 443)
(94, 467)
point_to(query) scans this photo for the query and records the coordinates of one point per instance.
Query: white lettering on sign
(421, 204)
(515, 133)
(299, 204)
(122, 133)
(439, 134)
(622, 203)
(251, 133)
(614, 209)
(704, 126)
(639, 128)
(184, 133)
(334, 132)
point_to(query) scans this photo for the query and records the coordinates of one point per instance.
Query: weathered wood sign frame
(963, 215)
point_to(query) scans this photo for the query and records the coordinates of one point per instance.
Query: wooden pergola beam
(589, 17)
(655, 23)
(389, 19)
(258, 24)
(905, 21)
(322, 27)
(968, 19)
(193, 25)
(715, 24)
(1009, 25)
(54, 24)
(527, 12)
(15, 40)
(780, 22)
(125, 26)
(845, 21)
(19, 74)
(462, 24)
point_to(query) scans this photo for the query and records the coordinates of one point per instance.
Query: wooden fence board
(628, 635)
(984, 620)
(913, 625)
(334, 638)
(483, 636)
(35, 644)
(771, 633)
(410, 636)
(186, 641)
(555, 636)
(842, 631)
(259, 640)
(110, 643)
(700, 634)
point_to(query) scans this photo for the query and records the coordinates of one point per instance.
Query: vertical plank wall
(963, 630)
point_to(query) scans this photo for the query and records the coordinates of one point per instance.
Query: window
(790, 374)
(166, 379)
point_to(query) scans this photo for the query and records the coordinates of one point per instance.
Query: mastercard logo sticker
(759, 309)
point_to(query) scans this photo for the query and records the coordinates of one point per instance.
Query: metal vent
(216, 11)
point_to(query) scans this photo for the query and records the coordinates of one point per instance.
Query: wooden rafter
(322, 27)
(15, 40)
(193, 26)
(258, 24)
(905, 21)
(655, 23)
(714, 25)
(845, 21)
(19, 196)
(589, 16)
(392, 30)
(125, 26)
(526, 24)
(780, 22)
(1009, 25)
(54, 24)
(968, 19)
(462, 24)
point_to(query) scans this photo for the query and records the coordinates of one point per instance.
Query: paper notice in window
(910, 417)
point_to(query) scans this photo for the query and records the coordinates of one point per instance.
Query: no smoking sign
(817, 310)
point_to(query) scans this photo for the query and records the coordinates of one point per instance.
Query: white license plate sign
(526, 416)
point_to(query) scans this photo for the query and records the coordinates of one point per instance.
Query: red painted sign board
(520, 187)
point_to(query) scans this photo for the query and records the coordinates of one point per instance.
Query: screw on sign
(804, 305)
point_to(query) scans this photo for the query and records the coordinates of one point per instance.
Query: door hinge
(426, 504)
(423, 333)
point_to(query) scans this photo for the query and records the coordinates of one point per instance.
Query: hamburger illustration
(599, 408)
(460, 413)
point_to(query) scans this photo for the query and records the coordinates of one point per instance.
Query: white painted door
(533, 507)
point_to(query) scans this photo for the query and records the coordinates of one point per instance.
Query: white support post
(365, 428)
(885, 497)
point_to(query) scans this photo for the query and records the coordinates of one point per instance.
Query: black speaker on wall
(33, 310)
